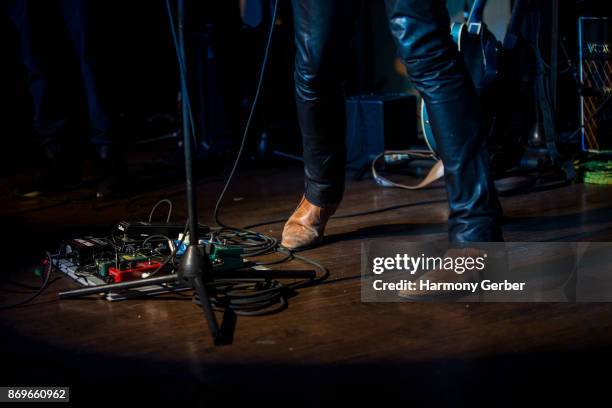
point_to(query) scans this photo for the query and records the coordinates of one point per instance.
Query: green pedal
(226, 258)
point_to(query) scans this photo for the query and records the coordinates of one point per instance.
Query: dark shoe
(475, 212)
(439, 73)
(111, 171)
(56, 175)
(306, 225)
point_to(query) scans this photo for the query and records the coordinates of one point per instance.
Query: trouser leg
(421, 30)
(79, 23)
(322, 30)
(49, 116)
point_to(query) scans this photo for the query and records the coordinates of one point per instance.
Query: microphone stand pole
(195, 266)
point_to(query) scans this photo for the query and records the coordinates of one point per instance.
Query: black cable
(355, 214)
(249, 297)
(247, 126)
(182, 69)
(253, 243)
(157, 236)
(173, 253)
(323, 271)
(163, 201)
(49, 270)
(258, 297)
(286, 258)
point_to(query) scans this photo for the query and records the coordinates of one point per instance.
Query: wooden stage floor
(327, 340)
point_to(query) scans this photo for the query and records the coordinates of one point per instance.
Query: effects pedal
(132, 270)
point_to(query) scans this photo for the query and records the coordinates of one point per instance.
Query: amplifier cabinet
(595, 48)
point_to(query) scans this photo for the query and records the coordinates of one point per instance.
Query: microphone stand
(195, 266)
(195, 269)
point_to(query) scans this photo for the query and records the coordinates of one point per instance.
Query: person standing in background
(40, 57)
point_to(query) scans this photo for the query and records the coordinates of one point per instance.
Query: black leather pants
(421, 30)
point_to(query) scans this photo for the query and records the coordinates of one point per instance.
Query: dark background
(134, 46)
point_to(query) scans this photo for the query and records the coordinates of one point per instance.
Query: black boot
(421, 30)
(111, 171)
(475, 212)
(59, 172)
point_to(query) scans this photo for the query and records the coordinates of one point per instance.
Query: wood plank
(325, 325)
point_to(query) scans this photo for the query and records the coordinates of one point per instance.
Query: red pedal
(132, 271)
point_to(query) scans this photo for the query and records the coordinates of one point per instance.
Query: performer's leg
(322, 30)
(421, 30)
(110, 164)
(38, 50)
(79, 25)
(50, 117)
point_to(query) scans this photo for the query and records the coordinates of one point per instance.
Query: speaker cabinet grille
(596, 79)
